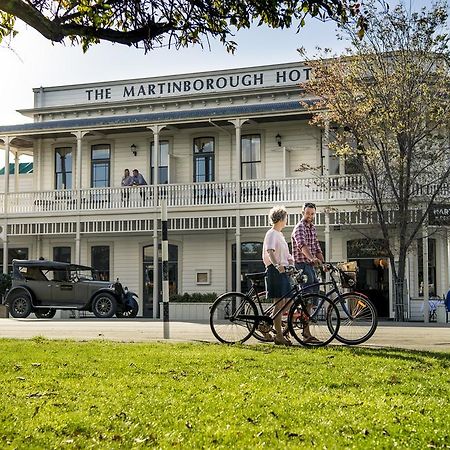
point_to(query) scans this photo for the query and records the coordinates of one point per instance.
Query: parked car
(41, 287)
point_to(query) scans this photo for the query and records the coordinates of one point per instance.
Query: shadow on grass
(420, 356)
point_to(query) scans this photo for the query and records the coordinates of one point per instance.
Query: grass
(65, 394)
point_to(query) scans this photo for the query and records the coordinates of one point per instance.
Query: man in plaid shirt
(305, 245)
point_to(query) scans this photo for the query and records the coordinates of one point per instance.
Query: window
(163, 162)
(100, 261)
(203, 159)
(100, 165)
(353, 164)
(62, 254)
(251, 157)
(251, 262)
(431, 266)
(13, 253)
(63, 168)
(333, 164)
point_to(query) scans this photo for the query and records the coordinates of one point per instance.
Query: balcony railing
(250, 192)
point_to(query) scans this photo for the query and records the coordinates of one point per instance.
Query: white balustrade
(251, 192)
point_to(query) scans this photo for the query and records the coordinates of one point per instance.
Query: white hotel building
(232, 143)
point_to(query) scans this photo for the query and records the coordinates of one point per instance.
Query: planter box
(187, 312)
(4, 312)
(190, 312)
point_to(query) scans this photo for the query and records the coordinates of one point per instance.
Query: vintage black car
(41, 287)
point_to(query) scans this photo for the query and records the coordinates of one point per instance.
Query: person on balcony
(137, 179)
(307, 252)
(276, 257)
(126, 179)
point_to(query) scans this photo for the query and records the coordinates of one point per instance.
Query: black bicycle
(313, 320)
(359, 318)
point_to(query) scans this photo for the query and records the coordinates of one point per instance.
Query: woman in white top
(276, 257)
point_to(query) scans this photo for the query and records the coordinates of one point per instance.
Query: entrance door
(373, 281)
(373, 273)
(147, 273)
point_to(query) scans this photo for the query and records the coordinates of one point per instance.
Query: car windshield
(83, 274)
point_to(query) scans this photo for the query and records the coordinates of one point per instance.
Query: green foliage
(154, 23)
(5, 283)
(196, 297)
(7, 22)
(59, 394)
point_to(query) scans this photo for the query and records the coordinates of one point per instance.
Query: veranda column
(237, 176)
(78, 185)
(16, 171)
(39, 164)
(7, 140)
(156, 129)
(325, 149)
(326, 172)
(447, 237)
(441, 273)
(426, 287)
(327, 241)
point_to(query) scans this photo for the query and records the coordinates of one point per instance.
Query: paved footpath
(414, 336)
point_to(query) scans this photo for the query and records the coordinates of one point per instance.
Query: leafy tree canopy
(388, 100)
(154, 23)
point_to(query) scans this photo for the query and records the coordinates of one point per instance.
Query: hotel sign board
(439, 215)
(175, 85)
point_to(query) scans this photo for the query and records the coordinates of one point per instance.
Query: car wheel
(130, 313)
(45, 313)
(20, 305)
(104, 305)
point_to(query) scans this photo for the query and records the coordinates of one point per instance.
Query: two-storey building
(230, 145)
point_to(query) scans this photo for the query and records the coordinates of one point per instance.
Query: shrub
(195, 297)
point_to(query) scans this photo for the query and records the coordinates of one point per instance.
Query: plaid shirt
(304, 234)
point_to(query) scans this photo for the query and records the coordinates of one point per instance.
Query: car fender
(21, 288)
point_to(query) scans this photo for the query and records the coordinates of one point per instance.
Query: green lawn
(65, 394)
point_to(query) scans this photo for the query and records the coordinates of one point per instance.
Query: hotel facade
(231, 144)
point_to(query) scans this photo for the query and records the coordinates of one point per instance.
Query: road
(412, 336)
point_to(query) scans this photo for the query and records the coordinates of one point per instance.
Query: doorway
(147, 273)
(373, 272)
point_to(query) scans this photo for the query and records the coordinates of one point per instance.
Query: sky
(32, 61)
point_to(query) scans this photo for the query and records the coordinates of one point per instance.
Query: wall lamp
(133, 149)
(278, 139)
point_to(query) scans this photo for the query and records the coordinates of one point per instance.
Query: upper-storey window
(63, 168)
(251, 157)
(163, 162)
(100, 165)
(203, 159)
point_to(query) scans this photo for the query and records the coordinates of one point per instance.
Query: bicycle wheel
(233, 318)
(309, 320)
(263, 327)
(359, 318)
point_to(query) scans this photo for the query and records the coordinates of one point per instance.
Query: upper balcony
(245, 194)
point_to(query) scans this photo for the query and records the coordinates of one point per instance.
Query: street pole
(165, 268)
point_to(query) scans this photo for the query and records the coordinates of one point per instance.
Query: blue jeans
(309, 271)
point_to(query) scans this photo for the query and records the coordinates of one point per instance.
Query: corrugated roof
(164, 116)
(23, 168)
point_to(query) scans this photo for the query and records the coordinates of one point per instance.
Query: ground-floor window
(100, 256)
(431, 266)
(147, 260)
(13, 253)
(62, 254)
(251, 262)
